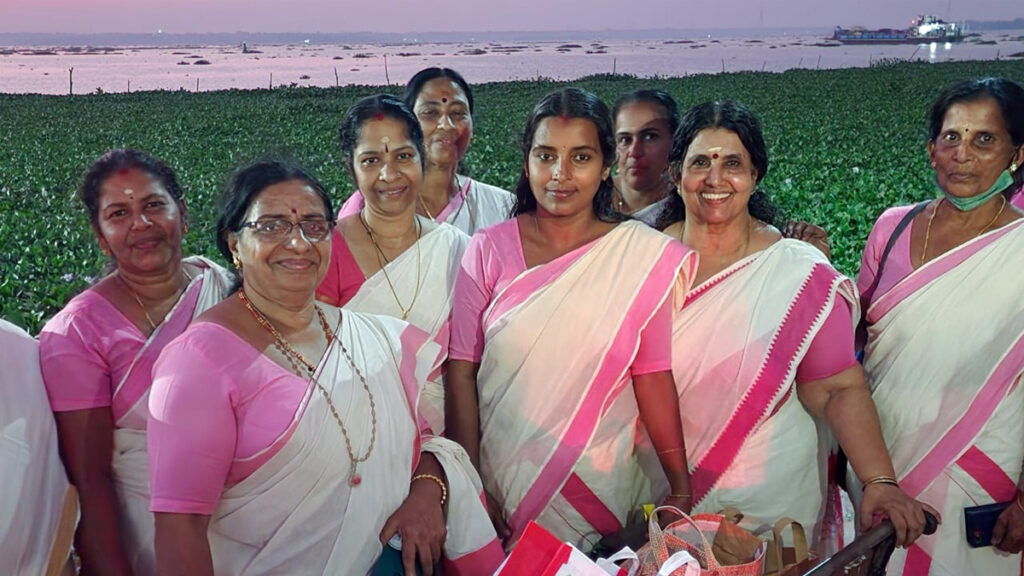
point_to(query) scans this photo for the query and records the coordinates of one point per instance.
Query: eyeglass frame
(253, 225)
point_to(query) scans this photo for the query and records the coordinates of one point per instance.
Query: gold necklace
(149, 319)
(383, 261)
(931, 218)
(291, 354)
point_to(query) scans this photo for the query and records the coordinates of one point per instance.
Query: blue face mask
(1004, 181)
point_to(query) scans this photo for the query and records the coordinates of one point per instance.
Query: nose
(142, 221)
(560, 170)
(636, 148)
(297, 238)
(387, 172)
(961, 152)
(444, 121)
(713, 177)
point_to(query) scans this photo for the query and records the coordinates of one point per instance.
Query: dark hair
(376, 106)
(738, 119)
(571, 103)
(124, 159)
(648, 96)
(1008, 95)
(415, 85)
(246, 185)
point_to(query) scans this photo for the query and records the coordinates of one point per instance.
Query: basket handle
(800, 549)
(657, 536)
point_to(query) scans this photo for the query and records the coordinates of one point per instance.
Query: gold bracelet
(680, 495)
(670, 450)
(882, 480)
(444, 489)
(1020, 502)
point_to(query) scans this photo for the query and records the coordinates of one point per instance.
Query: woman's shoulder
(486, 189)
(88, 310)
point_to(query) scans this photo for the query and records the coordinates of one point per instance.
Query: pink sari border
(412, 340)
(803, 314)
(962, 434)
(918, 562)
(594, 511)
(614, 365)
(482, 561)
(454, 203)
(932, 270)
(988, 474)
(533, 280)
(709, 284)
(140, 377)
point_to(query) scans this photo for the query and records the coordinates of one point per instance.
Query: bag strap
(657, 536)
(896, 233)
(800, 549)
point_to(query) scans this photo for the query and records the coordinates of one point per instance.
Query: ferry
(924, 30)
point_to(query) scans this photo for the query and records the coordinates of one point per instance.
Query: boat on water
(923, 30)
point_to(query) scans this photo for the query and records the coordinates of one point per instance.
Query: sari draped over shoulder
(298, 513)
(423, 279)
(210, 284)
(737, 343)
(37, 506)
(557, 414)
(944, 359)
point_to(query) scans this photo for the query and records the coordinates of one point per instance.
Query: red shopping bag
(538, 553)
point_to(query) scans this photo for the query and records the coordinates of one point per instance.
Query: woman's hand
(682, 501)
(812, 234)
(905, 513)
(419, 521)
(1008, 535)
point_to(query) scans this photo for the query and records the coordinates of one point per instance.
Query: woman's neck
(438, 184)
(389, 229)
(290, 312)
(636, 199)
(728, 240)
(157, 286)
(975, 219)
(564, 232)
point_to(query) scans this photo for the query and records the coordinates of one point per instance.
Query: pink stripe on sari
(968, 426)
(714, 281)
(481, 561)
(583, 500)
(987, 474)
(774, 374)
(455, 203)
(412, 340)
(918, 562)
(613, 367)
(137, 382)
(932, 270)
(531, 281)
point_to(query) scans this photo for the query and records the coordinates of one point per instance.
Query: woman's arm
(659, 411)
(844, 402)
(420, 520)
(86, 440)
(182, 548)
(461, 408)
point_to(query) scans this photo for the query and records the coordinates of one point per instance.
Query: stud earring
(1013, 167)
(237, 263)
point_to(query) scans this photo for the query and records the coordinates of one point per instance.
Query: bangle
(440, 483)
(669, 451)
(882, 480)
(1020, 502)
(684, 496)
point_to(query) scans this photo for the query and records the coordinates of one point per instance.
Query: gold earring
(237, 263)
(1013, 167)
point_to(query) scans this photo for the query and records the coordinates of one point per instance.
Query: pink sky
(146, 16)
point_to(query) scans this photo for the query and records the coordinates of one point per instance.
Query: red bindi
(380, 116)
(714, 156)
(294, 211)
(444, 100)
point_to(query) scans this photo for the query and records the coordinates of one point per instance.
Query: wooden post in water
(71, 81)
(129, 85)
(336, 82)
(800, 63)
(615, 62)
(197, 84)
(386, 77)
(271, 85)
(819, 62)
(723, 64)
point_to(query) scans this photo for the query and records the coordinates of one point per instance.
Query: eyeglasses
(277, 229)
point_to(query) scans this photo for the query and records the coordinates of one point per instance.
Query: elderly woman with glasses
(284, 432)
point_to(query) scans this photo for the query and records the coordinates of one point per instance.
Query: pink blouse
(344, 277)
(85, 351)
(899, 264)
(493, 259)
(219, 409)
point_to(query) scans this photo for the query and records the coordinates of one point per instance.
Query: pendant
(355, 480)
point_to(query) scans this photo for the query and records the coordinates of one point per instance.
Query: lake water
(46, 70)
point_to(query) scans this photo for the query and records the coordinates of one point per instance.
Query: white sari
(38, 508)
(737, 343)
(424, 279)
(298, 512)
(558, 416)
(944, 358)
(130, 405)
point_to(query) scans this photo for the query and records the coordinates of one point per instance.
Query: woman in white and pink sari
(945, 339)
(442, 101)
(284, 433)
(97, 353)
(386, 259)
(763, 350)
(560, 340)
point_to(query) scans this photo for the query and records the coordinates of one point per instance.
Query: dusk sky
(181, 16)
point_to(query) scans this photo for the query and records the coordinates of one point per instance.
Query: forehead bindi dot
(444, 100)
(380, 116)
(385, 140)
(714, 156)
(128, 191)
(294, 211)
